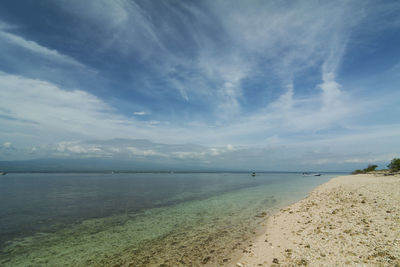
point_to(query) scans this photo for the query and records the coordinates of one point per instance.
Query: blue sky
(270, 85)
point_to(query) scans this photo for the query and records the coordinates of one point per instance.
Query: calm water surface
(47, 219)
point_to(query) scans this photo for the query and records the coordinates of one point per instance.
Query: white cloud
(188, 155)
(205, 153)
(51, 114)
(145, 152)
(140, 113)
(7, 145)
(75, 148)
(359, 160)
(126, 25)
(230, 147)
(153, 122)
(42, 108)
(267, 39)
(129, 149)
(274, 41)
(5, 26)
(38, 49)
(39, 111)
(128, 28)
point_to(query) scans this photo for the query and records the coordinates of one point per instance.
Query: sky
(266, 85)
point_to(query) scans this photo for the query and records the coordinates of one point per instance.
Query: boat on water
(311, 174)
(3, 173)
(253, 174)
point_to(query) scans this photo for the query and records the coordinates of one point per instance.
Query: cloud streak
(38, 49)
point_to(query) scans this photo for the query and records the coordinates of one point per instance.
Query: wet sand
(349, 221)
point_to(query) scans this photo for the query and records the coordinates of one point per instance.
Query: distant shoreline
(167, 172)
(349, 220)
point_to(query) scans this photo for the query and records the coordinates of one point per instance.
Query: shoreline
(349, 220)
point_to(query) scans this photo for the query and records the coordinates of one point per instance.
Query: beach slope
(349, 221)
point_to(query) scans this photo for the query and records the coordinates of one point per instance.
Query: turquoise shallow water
(137, 219)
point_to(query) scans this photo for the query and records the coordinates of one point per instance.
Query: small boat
(253, 174)
(311, 174)
(3, 173)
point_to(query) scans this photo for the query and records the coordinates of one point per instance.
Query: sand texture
(349, 221)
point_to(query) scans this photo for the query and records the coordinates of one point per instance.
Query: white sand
(349, 221)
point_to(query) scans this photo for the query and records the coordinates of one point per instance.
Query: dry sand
(349, 221)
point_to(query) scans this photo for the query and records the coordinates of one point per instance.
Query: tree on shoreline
(394, 165)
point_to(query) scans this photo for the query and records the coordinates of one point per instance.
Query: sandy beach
(349, 221)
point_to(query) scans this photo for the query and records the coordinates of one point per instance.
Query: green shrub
(370, 168)
(357, 172)
(394, 165)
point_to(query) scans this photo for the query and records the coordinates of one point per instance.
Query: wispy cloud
(49, 111)
(263, 76)
(38, 49)
(265, 39)
(140, 113)
(124, 149)
(55, 111)
(45, 112)
(31, 59)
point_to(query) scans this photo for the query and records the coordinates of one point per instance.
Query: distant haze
(142, 155)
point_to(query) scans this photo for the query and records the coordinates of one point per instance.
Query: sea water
(137, 219)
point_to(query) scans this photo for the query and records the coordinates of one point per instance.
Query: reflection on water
(139, 219)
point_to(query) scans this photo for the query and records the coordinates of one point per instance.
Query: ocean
(138, 219)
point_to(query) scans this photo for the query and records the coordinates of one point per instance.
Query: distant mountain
(92, 165)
